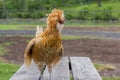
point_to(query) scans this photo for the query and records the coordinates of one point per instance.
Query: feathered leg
(41, 68)
(50, 71)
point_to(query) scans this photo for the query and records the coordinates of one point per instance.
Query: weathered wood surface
(83, 69)
(25, 73)
(59, 72)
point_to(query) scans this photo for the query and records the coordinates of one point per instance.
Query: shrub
(37, 15)
(107, 13)
(96, 15)
(22, 15)
(2, 13)
(40, 14)
(26, 15)
(83, 13)
(68, 16)
(103, 14)
(18, 14)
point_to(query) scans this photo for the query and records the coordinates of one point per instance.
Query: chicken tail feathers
(28, 53)
(28, 60)
(39, 30)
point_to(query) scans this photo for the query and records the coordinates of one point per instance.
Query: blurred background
(88, 11)
(92, 29)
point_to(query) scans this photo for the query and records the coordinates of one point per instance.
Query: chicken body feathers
(44, 49)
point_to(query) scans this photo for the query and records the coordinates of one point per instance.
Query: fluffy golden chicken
(46, 48)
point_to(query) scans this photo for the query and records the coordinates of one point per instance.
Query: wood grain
(59, 72)
(83, 69)
(27, 73)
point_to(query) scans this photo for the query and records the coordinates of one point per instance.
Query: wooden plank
(83, 69)
(59, 72)
(25, 73)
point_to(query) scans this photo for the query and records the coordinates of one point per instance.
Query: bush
(100, 14)
(22, 15)
(37, 15)
(2, 13)
(68, 16)
(18, 14)
(84, 13)
(96, 15)
(26, 15)
(107, 13)
(103, 14)
(40, 14)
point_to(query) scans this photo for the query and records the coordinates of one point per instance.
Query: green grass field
(16, 27)
(7, 70)
(72, 24)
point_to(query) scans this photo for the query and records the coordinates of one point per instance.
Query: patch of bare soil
(105, 51)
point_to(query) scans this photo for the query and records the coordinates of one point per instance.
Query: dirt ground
(105, 51)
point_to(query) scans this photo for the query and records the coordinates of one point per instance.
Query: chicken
(46, 48)
(39, 30)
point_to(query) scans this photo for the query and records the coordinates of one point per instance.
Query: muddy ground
(105, 51)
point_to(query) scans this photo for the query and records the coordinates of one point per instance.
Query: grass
(105, 78)
(100, 67)
(7, 70)
(7, 43)
(70, 37)
(16, 27)
(2, 50)
(113, 78)
(77, 37)
(69, 23)
(88, 23)
(65, 37)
